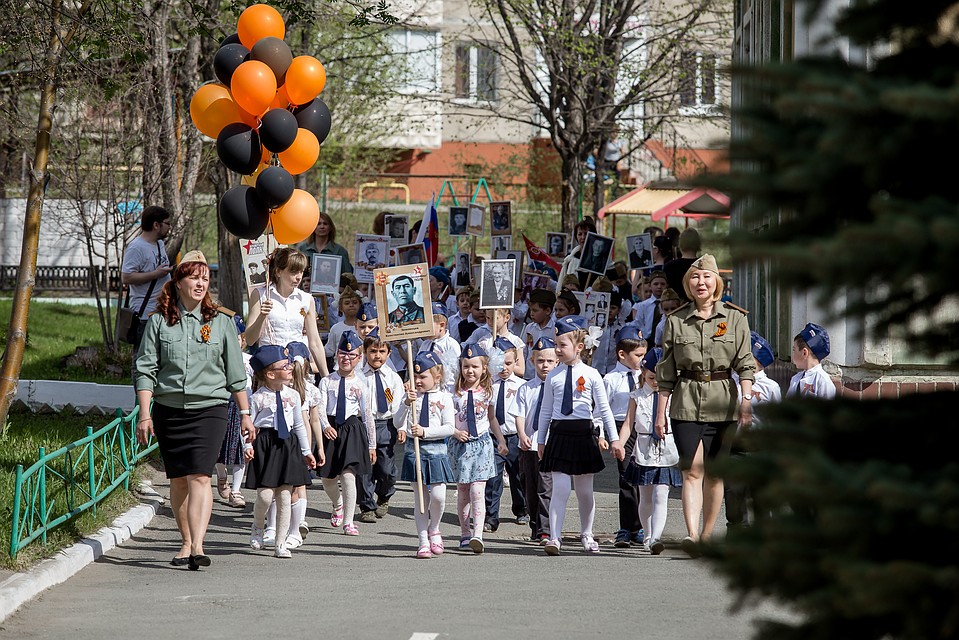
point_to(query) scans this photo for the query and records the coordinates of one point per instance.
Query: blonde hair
(299, 379)
(485, 381)
(720, 285)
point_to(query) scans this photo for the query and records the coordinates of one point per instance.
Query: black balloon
(275, 54)
(238, 147)
(315, 117)
(227, 59)
(274, 186)
(233, 38)
(242, 213)
(278, 129)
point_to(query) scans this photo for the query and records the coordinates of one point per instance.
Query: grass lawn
(54, 331)
(19, 443)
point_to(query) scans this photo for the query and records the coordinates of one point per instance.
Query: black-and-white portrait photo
(500, 243)
(372, 252)
(325, 274)
(515, 256)
(410, 254)
(397, 228)
(457, 225)
(596, 252)
(256, 276)
(501, 218)
(533, 281)
(556, 245)
(461, 270)
(405, 300)
(475, 220)
(639, 251)
(497, 279)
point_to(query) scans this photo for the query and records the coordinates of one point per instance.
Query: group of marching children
(480, 401)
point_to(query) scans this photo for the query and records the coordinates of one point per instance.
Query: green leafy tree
(844, 173)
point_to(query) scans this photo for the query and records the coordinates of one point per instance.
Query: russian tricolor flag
(429, 233)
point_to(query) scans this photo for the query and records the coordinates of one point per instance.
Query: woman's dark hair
(331, 237)
(167, 302)
(151, 216)
(379, 223)
(587, 224)
(288, 258)
(665, 246)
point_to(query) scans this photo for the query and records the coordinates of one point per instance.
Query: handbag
(128, 320)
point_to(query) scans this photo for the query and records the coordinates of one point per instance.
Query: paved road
(371, 586)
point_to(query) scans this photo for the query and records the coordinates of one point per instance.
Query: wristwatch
(746, 396)
(245, 412)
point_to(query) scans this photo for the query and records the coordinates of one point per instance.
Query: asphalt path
(371, 586)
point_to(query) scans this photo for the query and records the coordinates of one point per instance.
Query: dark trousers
(538, 487)
(494, 486)
(628, 494)
(381, 481)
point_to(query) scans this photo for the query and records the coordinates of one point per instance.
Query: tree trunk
(571, 191)
(26, 276)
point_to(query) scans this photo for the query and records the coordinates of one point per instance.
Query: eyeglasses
(348, 356)
(283, 367)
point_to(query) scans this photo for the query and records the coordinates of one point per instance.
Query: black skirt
(349, 450)
(276, 462)
(189, 439)
(572, 449)
(689, 434)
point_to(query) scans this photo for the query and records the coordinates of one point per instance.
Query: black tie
(630, 381)
(425, 411)
(655, 409)
(470, 415)
(656, 316)
(341, 403)
(501, 404)
(567, 408)
(381, 405)
(282, 429)
(539, 405)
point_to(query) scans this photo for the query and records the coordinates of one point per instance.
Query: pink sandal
(350, 529)
(337, 518)
(436, 544)
(424, 552)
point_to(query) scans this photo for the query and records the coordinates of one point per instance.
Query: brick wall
(871, 389)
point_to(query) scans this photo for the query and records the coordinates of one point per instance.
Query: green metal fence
(74, 478)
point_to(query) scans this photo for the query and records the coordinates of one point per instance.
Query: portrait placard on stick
(325, 274)
(372, 252)
(596, 252)
(593, 304)
(556, 245)
(253, 255)
(457, 222)
(501, 218)
(500, 243)
(397, 228)
(463, 274)
(476, 219)
(403, 292)
(639, 251)
(517, 256)
(497, 284)
(410, 254)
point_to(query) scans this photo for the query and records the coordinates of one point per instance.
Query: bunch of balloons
(268, 124)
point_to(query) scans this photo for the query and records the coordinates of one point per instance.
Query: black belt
(705, 376)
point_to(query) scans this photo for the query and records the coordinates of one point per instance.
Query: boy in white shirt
(461, 306)
(649, 311)
(541, 325)
(483, 336)
(605, 356)
(446, 349)
(810, 347)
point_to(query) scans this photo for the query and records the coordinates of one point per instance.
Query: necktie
(501, 404)
(282, 429)
(655, 408)
(425, 411)
(341, 403)
(567, 408)
(381, 405)
(630, 381)
(539, 405)
(656, 316)
(470, 415)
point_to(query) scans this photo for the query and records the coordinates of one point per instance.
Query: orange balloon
(212, 108)
(248, 119)
(281, 101)
(295, 221)
(305, 79)
(259, 21)
(253, 86)
(302, 154)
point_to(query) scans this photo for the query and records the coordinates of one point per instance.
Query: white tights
(236, 482)
(652, 509)
(348, 497)
(471, 500)
(264, 497)
(428, 524)
(562, 483)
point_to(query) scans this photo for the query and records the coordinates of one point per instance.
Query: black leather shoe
(195, 562)
(180, 562)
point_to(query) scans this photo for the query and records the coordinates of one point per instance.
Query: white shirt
(812, 382)
(658, 332)
(448, 351)
(526, 399)
(605, 358)
(510, 386)
(643, 320)
(588, 404)
(392, 388)
(263, 410)
(765, 390)
(357, 402)
(285, 324)
(142, 256)
(650, 452)
(442, 417)
(483, 336)
(453, 326)
(530, 335)
(617, 388)
(482, 407)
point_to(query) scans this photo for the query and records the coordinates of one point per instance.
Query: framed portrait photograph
(596, 252)
(476, 274)
(457, 224)
(253, 256)
(372, 252)
(410, 254)
(556, 245)
(500, 243)
(497, 278)
(404, 292)
(639, 251)
(501, 218)
(475, 221)
(593, 305)
(397, 227)
(325, 274)
(516, 256)
(533, 281)
(462, 271)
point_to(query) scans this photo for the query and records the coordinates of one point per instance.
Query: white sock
(282, 512)
(297, 509)
(562, 484)
(422, 520)
(238, 470)
(333, 491)
(348, 480)
(586, 502)
(437, 506)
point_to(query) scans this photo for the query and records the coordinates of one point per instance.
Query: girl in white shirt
(427, 413)
(575, 394)
(276, 467)
(345, 413)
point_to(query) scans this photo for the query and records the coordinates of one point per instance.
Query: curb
(20, 588)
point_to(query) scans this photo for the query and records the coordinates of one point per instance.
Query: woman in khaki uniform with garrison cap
(703, 343)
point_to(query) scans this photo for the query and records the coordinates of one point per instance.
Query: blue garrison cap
(503, 344)
(240, 325)
(817, 339)
(652, 359)
(441, 274)
(425, 361)
(628, 332)
(570, 323)
(367, 312)
(349, 341)
(440, 310)
(473, 350)
(761, 349)
(267, 355)
(544, 343)
(298, 350)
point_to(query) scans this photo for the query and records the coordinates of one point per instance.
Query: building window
(697, 79)
(418, 51)
(475, 73)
